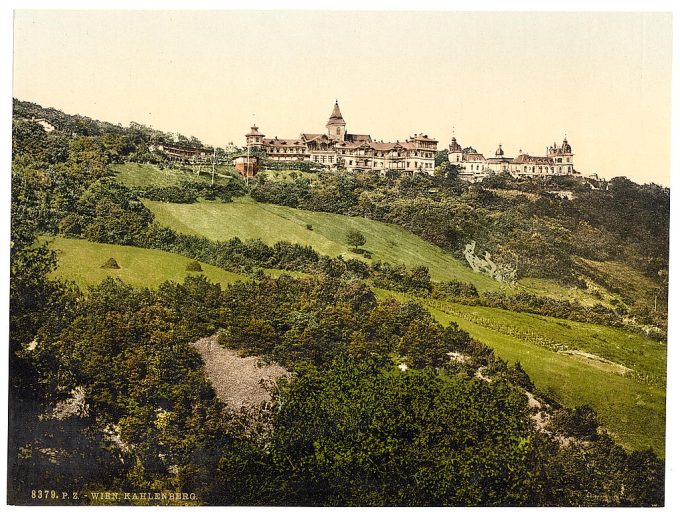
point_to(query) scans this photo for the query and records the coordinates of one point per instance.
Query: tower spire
(336, 124)
(336, 116)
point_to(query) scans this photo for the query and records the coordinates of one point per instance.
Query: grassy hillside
(248, 219)
(622, 375)
(81, 260)
(271, 223)
(621, 279)
(147, 175)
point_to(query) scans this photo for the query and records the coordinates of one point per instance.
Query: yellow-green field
(81, 261)
(147, 175)
(270, 223)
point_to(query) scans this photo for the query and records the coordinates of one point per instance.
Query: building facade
(339, 149)
(182, 153)
(473, 166)
(246, 165)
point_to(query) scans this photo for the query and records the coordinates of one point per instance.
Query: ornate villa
(473, 166)
(338, 149)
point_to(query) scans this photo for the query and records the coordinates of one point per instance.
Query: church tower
(336, 124)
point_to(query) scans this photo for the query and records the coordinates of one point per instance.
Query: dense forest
(349, 427)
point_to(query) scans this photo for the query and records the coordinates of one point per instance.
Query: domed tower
(562, 157)
(254, 137)
(500, 152)
(566, 147)
(336, 124)
(455, 152)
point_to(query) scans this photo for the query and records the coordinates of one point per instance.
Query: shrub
(110, 264)
(194, 266)
(580, 422)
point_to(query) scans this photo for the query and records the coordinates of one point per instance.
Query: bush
(110, 264)
(580, 422)
(194, 266)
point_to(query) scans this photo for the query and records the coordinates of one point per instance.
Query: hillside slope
(81, 260)
(621, 375)
(271, 223)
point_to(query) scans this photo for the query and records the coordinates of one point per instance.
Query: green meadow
(81, 261)
(619, 373)
(148, 175)
(248, 220)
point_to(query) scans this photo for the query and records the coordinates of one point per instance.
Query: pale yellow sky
(520, 79)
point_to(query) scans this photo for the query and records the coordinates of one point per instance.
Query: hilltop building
(338, 148)
(182, 153)
(473, 166)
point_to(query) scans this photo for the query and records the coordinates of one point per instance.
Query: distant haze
(519, 79)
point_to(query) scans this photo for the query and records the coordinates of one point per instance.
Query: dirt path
(238, 381)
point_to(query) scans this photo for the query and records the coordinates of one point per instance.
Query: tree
(355, 239)
(440, 157)
(361, 435)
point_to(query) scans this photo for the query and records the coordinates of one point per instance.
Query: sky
(522, 79)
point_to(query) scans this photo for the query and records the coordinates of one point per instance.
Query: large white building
(351, 151)
(473, 166)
